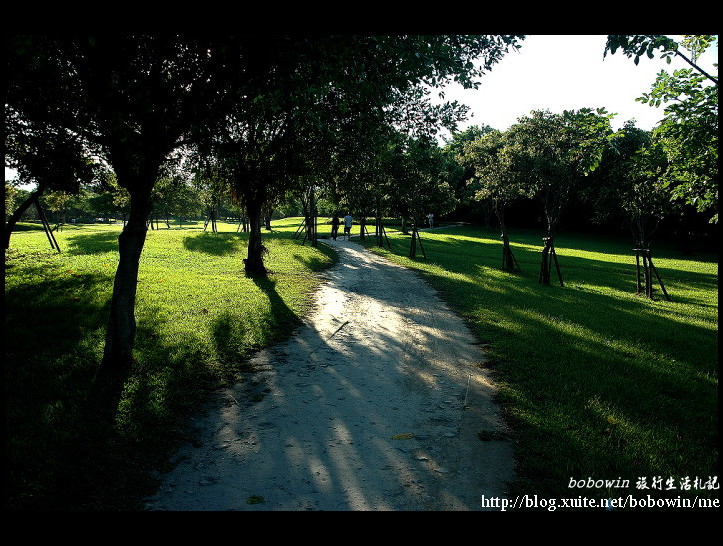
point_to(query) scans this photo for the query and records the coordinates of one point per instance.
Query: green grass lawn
(596, 381)
(199, 317)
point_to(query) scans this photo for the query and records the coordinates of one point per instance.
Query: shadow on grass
(54, 461)
(93, 243)
(486, 252)
(238, 335)
(596, 382)
(614, 397)
(27, 226)
(217, 244)
(315, 263)
(52, 334)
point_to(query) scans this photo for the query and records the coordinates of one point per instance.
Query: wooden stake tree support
(211, 219)
(311, 228)
(548, 253)
(416, 238)
(300, 229)
(509, 263)
(648, 269)
(243, 224)
(382, 234)
(152, 221)
(309, 224)
(46, 225)
(363, 231)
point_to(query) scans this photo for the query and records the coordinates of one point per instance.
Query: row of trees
(174, 198)
(262, 115)
(544, 155)
(634, 176)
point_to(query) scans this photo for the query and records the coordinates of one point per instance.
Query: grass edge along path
(199, 318)
(608, 394)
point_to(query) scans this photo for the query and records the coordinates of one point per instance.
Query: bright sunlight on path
(376, 403)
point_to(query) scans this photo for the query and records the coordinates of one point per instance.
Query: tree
(133, 100)
(49, 156)
(689, 132)
(631, 180)
(58, 202)
(462, 174)
(496, 181)
(107, 198)
(210, 184)
(259, 145)
(552, 154)
(175, 195)
(178, 198)
(645, 200)
(12, 195)
(419, 183)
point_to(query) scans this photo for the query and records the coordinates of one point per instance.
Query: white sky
(563, 72)
(567, 72)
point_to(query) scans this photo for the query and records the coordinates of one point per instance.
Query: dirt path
(375, 404)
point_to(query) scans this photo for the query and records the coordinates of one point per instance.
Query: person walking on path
(335, 226)
(348, 220)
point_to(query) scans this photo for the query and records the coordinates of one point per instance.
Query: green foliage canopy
(553, 153)
(689, 132)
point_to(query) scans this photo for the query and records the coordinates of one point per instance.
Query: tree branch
(698, 68)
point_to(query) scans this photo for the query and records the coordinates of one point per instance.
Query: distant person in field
(335, 226)
(430, 218)
(347, 225)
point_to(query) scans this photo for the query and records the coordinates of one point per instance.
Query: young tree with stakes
(553, 154)
(496, 181)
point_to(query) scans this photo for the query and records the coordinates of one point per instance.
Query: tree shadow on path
(373, 404)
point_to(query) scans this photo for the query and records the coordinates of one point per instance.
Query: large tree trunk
(254, 262)
(121, 331)
(10, 224)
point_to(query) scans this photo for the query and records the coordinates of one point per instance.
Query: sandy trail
(376, 403)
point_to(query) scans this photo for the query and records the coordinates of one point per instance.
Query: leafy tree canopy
(689, 131)
(552, 153)
(636, 46)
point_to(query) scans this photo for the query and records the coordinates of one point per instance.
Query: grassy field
(198, 318)
(596, 381)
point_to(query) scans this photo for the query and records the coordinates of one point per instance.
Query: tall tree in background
(420, 185)
(462, 175)
(630, 180)
(630, 183)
